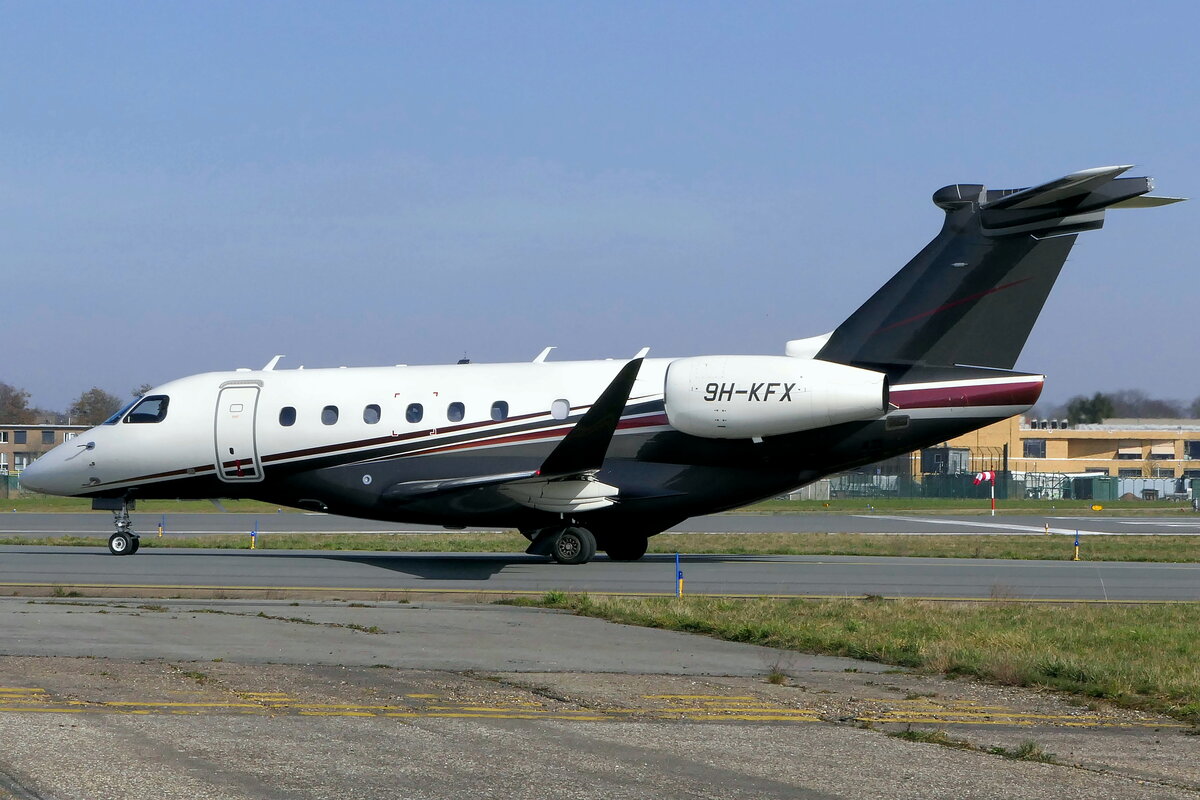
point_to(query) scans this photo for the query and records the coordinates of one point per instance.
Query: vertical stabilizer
(971, 296)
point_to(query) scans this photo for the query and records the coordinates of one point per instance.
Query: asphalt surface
(99, 524)
(163, 571)
(340, 574)
(209, 699)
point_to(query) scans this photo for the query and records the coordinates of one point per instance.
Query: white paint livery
(589, 455)
(743, 397)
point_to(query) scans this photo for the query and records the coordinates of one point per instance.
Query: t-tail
(972, 295)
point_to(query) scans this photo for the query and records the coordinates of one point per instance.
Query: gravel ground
(128, 723)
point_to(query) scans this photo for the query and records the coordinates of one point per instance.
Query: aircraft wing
(566, 481)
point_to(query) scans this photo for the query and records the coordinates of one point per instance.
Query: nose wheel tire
(122, 544)
(573, 546)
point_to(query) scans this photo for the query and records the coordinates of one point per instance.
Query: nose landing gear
(124, 542)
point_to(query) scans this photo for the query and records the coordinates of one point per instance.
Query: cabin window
(414, 412)
(560, 409)
(455, 412)
(150, 409)
(371, 414)
(329, 415)
(499, 410)
(287, 416)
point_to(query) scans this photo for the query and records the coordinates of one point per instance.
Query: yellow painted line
(539, 592)
(15, 690)
(699, 697)
(473, 715)
(336, 714)
(709, 710)
(429, 696)
(753, 718)
(131, 703)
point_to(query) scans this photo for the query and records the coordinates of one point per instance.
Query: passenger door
(237, 451)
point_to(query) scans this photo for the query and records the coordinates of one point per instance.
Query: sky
(187, 187)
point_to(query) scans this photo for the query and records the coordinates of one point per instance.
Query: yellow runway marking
(702, 708)
(722, 698)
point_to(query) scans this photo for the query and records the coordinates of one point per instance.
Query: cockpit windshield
(115, 418)
(149, 409)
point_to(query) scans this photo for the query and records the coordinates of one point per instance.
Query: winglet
(270, 367)
(541, 357)
(584, 446)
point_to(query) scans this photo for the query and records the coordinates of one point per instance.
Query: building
(1119, 448)
(21, 444)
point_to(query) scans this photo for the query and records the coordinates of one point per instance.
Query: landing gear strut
(124, 542)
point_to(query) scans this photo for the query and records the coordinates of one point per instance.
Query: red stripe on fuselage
(1025, 393)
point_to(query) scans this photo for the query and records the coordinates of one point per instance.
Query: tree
(1136, 404)
(1082, 409)
(14, 404)
(1194, 408)
(143, 390)
(94, 406)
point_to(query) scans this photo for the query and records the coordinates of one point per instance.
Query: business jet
(584, 456)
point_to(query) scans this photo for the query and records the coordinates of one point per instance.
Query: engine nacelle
(740, 397)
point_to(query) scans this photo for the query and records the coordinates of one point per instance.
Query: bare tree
(14, 404)
(94, 406)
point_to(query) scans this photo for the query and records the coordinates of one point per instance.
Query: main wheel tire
(573, 546)
(137, 542)
(120, 544)
(629, 549)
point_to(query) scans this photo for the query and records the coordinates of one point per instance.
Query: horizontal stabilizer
(1147, 201)
(1077, 184)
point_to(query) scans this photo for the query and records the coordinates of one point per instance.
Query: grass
(1144, 657)
(946, 505)
(1028, 750)
(1178, 549)
(31, 502)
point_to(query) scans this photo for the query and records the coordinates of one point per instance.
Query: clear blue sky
(196, 186)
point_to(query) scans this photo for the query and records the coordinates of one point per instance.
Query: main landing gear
(124, 542)
(572, 544)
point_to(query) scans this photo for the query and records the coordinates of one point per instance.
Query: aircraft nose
(34, 475)
(47, 474)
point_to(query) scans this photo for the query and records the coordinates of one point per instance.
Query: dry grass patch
(1144, 657)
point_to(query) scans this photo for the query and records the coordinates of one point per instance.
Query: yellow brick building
(1121, 448)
